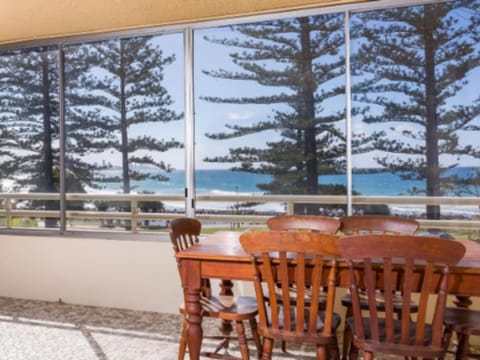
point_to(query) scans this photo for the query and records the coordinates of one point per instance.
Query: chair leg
(347, 335)
(333, 352)
(256, 338)
(242, 341)
(463, 347)
(267, 348)
(321, 352)
(347, 342)
(446, 339)
(367, 355)
(183, 340)
(226, 329)
(353, 353)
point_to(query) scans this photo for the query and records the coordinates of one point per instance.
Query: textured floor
(36, 330)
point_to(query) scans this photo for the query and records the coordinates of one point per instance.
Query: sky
(210, 117)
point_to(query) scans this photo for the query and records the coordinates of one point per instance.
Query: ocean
(210, 182)
(226, 182)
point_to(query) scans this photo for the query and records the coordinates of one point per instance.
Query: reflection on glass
(418, 105)
(29, 144)
(124, 121)
(270, 112)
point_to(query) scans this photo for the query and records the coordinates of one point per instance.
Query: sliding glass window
(268, 132)
(417, 109)
(270, 114)
(29, 141)
(125, 129)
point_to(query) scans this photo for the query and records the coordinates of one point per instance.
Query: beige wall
(129, 274)
(22, 20)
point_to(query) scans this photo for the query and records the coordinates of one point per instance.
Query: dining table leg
(226, 328)
(462, 301)
(194, 330)
(192, 285)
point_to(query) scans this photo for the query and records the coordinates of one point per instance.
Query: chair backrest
(184, 232)
(285, 259)
(411, 264)
(378, 224)
(324, 224)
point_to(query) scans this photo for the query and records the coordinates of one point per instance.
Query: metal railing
(233, 211)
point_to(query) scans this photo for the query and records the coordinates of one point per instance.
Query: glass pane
(270, 116)
(417, 123)
(29, 144)
(124, 131)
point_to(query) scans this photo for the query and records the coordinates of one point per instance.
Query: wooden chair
(284, 258)
(324, 224)
(378, 224)
(373, 224)
(464, 323)
(184, 232)
(412, 264)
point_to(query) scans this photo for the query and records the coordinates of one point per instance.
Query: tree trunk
(431, 128)
(308, 92)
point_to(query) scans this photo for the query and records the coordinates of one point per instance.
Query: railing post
(133, 206)
(290, 208)
(8, 216)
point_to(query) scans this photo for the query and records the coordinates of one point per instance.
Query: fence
(232, 213)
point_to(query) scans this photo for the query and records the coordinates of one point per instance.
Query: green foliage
(99, 110)
(126, 89)
(301, 58)
(150, 206)
(24, 222)
(29, 117)
(29, 123)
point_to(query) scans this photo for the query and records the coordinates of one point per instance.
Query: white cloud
(240, 115)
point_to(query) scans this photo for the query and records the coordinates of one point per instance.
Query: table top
(225, 246)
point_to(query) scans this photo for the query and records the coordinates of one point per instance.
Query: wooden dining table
(221, 256)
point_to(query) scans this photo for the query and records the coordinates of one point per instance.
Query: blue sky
(212, 117)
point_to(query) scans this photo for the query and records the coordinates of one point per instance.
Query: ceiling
(25, 20)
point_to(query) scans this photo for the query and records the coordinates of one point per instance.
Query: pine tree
(416, 61)
(30, 121)
(84, 125)
(127, 90)
(30, 124)
(30, 117)
(302, 58)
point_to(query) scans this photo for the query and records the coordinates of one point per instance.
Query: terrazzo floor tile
(38, 330)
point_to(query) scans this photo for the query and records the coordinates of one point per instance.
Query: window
(124, 125)
(417, 107)
(270, 112)
(29, 128)
(270, 121)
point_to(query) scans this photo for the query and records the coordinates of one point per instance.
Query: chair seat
(465, 320)
(397, 327)
(320, 319)
(232, 308)
(380, 301)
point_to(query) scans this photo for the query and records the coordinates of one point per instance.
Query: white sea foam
(469, 212)
(268, 207)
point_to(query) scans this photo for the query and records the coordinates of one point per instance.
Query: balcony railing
(232, 212)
